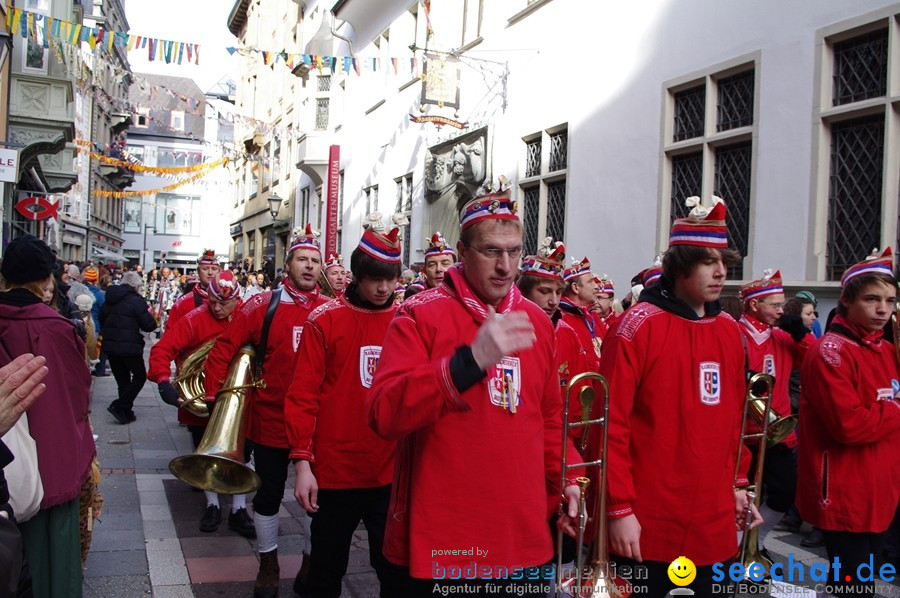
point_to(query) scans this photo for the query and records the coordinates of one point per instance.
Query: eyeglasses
(778, 305)
(495, 253)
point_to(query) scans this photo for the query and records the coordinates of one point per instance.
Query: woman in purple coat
(58, 422)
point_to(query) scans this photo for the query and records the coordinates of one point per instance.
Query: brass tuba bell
(189, 381)
(218, 464)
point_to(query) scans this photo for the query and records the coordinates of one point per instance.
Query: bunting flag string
(175, 185)
(84, 146)
(41, 29)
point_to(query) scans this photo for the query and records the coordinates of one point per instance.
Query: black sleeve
(145, 319)
(464, 370)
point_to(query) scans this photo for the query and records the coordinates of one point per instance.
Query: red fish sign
(37, 208)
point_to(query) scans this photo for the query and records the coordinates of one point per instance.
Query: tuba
(593, 580)
(756, 403)
(218, 464)
(189, 381)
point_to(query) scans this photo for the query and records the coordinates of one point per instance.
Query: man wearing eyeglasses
(467, 383)
(775, 350)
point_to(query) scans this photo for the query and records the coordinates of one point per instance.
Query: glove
(168, 393)
(793, 325)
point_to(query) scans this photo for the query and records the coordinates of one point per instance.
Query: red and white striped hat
(769, 284)
(549, 261)
(305, 239)
(576, 269)
(493, 206)
(703, 227)
(223, 286)
(874, 264)
(383, 247)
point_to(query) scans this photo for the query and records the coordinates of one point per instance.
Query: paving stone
(159, 529)
(173, 592)
(123, 585)
(119, 521)
(153, 498)
(166, 563)
(108, 540)
(116, 563)
(218, 547)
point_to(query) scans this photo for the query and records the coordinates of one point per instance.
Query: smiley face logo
(682, 571)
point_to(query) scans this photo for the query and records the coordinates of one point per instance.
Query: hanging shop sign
(440, 81)
(37, 208)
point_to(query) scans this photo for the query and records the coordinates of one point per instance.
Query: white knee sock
(266, 532)
(238, 502)
(211, 498)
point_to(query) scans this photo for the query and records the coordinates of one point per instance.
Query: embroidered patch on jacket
(769, 365)
(296, 336)
(830, 350)
(368, 362)
(710, 383)
(506, 382)
(634, 317)
(885, 394)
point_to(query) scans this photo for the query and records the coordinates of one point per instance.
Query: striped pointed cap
(493, 206)
(223, 286)
(305, 239)
(334, 261)
(769, 284)
(208, 258)
(605, 285)
(383, 247)
(651, 275)
(576, 269)
(549, 261)
(703, 227)
(874, 264)
(438, 245)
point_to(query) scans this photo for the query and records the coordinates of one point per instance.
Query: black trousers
(130, 375)
(779, 476)
(340, 512)
(854, 549)
(272, 468)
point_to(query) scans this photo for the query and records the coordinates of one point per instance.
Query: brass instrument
(189, 381)
(598, 582)
(757, 402)
(778, 427)
(218, 463)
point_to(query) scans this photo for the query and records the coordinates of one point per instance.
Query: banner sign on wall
(334, 189)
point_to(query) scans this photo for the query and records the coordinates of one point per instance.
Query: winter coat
(123, 317)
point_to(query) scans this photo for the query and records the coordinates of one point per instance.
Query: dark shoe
(300, 582)
(789, 523)
(131, 416)
(121, 415)
(267, 578)
(211, 519)
(815, 539)
(241, 522)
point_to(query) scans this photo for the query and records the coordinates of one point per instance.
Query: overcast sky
(195, 21)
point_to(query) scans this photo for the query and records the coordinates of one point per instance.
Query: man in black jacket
(123, 317)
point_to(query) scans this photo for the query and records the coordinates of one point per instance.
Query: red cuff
(619, 512)
(302, 455)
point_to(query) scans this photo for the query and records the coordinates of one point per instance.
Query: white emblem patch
(710, 384)
(769, 365)
(298, 334)
(885, 394)
(506, 382)
(368, 361)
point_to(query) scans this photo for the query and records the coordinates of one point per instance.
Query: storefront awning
(108, 255)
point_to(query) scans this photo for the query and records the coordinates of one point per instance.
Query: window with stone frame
(693, 138)
(542, 191)
(404, 208)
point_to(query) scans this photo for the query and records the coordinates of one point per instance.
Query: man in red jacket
(775, 351)
(207, 268)
(467, 383)
(198, 327)
(343, 469)
(282, 324)
(335, 272)
(848, 481)
(675, 369)
(606, 297)
(439, 257)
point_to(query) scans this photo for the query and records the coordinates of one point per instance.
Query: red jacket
(772, 351)
(185, 304)
(189, 333)
(848, 461)
(58, 420)
(266, 424)
(573, 358)
(677, 395)
(469, 473)
(325, 409)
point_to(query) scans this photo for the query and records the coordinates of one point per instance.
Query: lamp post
(274, 207)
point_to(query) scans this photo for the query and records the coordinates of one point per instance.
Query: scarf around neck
(300, 297)
(455, 279)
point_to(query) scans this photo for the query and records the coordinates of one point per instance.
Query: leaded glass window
(732, 183)
(735, 108)
(689, 113)
(556, 210)
(559, 155)
(531, 210)
(854, 197)
(322, 114)
(533, 158)
(860, 67)
(687, 180)
(324, 83)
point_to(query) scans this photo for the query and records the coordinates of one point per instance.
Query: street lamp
(274, 207)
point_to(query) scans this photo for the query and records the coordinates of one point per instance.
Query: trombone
(758, 406)
(597, 582)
